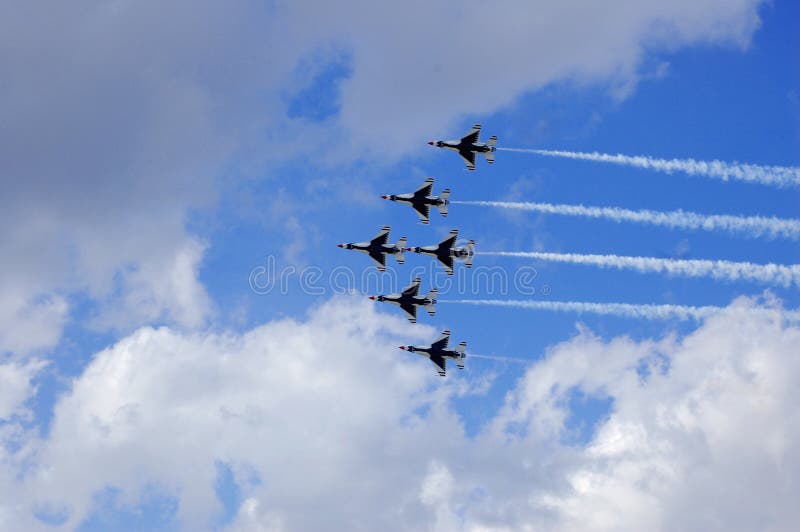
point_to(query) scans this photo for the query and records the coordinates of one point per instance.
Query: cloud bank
(328, 414)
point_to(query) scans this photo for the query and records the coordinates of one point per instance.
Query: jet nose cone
(372, 298)
(430, 142)
(385, 197)
(339, 245)
(402, 347)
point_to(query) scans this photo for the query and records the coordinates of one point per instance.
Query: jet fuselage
(402, 299)
(369, 247)
(438, 251)
(433, 353)
(412, 199)
(458, 145)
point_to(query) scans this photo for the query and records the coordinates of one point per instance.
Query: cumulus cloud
(29, 321)
(326, 414)
(160, 288)
(16, 386)
(421, 66)
(285, 403)
(702, 433)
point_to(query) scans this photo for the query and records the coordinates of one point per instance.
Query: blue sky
(151, 387)
(711, 103)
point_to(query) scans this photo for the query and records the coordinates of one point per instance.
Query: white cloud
(16, 386)
(117, 119)
(706, 441)
(328, 414)
(30, 322)
(421, 66)
(161, 288)
(290, 401)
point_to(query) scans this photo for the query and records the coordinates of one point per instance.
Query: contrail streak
(501, 359)
(750, 226)
(625, 310)
(780, 176)
(774, 274)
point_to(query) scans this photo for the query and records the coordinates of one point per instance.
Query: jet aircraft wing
(447, 261)
(440, 364)
(469, 158)
(379, 258)
(425, 190)
(413, 288)
(411, 310)
(423, 210)
(441, 342)
(382, 237)
(472, 136)
(450, 241)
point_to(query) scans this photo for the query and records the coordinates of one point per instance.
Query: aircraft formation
(446, 252)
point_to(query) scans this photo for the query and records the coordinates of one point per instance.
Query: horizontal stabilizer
(489, 156)
(470, 253)
(400, 247)
(492, 141)
(431, 307)
(461, 349)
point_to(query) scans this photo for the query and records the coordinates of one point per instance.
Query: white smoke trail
(501, 359)
(774, 274)
(751, 226)
(780, 176)
(625, 310)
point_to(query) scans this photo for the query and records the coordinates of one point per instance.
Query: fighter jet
(408, 300)
(469, 145)
(422, 200)
(447, 250)
(438, 352)
(377, 248)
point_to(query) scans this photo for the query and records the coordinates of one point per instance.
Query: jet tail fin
(461, 349)
(489, 156)
(431, 307)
